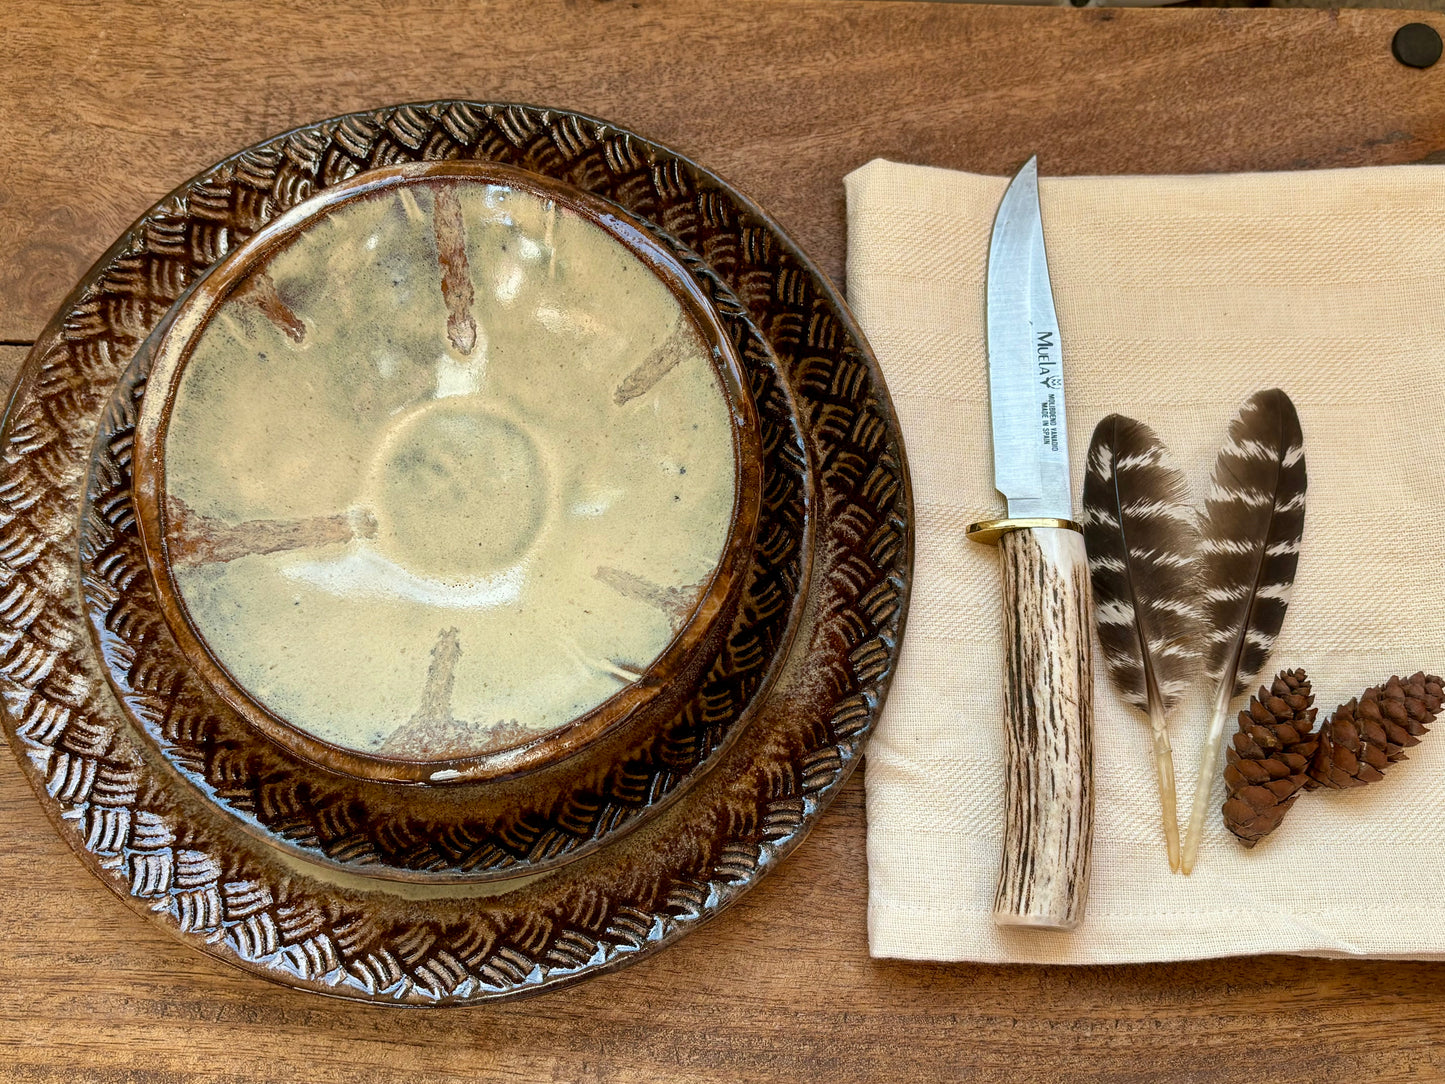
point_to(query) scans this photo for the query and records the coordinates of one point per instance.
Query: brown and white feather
(1250, 535)
(1142, 538)
(1249, 539)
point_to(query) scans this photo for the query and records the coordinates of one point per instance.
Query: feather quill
(1142, 538)
(1249, 548)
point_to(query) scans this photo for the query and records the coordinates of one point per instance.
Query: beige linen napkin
(1177, 297)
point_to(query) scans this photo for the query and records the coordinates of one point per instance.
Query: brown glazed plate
(449, 551)
(324, 808)
(456, 419)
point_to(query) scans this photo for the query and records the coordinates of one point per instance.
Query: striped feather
(1249, 548)
(1141, 535)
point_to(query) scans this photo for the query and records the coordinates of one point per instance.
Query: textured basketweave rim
(187, 865)
(471, 832)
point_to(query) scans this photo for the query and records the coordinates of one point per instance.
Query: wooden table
(112, 104)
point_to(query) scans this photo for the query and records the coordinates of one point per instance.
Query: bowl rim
(172, 345)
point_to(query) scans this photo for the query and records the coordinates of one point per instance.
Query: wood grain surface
(112, 104)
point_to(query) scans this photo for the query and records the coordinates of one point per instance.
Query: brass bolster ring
(991, 530)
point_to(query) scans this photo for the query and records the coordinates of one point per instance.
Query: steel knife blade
(1025, 361)
(1048, 682)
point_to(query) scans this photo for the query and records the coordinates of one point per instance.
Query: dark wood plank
(779, 989)
(11, 358)
(114, 102)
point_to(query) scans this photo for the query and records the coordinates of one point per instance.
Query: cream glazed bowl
(447, 473)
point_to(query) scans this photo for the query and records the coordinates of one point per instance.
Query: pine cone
(1366, 735)
(1267, 765)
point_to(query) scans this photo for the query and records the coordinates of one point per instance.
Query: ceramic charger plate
(616, 552)
(328, 584)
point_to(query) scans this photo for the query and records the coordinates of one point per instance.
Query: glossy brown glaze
(187, 865)
(465, 831)
(642, 705)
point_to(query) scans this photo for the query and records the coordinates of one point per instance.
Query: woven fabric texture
(1177, 298)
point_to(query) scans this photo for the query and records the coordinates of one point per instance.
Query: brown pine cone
(1366, 735)
(1267, 765)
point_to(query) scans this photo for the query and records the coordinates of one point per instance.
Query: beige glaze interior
(449, 469)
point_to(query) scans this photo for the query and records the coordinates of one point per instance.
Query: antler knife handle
(1049, 714)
